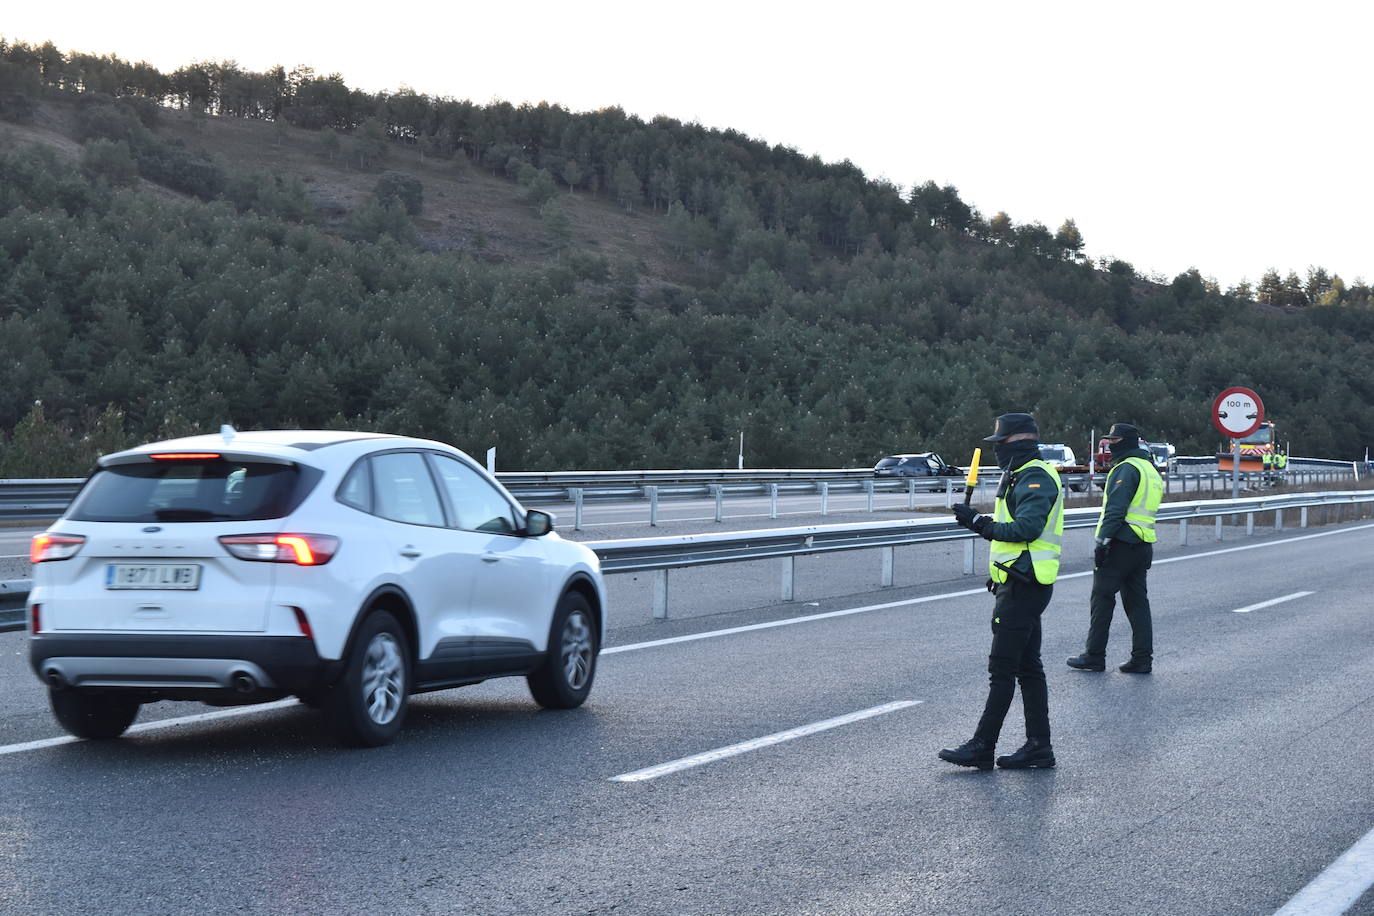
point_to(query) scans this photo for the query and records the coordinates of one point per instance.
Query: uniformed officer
(1124, 549)
(1026, 530)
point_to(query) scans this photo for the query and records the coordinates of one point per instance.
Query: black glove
(964, 515)
(992, 586)
(1100, 554)
(982, 526)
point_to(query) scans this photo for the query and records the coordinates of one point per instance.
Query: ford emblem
(152, 529)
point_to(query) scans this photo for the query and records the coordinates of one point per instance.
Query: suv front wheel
(368, 704)
(564, 678)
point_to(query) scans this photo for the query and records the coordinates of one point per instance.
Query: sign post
(1236, 413)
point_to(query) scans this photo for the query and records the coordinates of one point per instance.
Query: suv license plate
(160, 576)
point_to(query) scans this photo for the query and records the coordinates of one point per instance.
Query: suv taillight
(46, 547)
(37, 616)
(301, 549)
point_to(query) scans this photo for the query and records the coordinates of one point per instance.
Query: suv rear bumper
(288, 664)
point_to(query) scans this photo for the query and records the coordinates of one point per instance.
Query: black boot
(1035, 754)
(972, 753)
(1137, 666)
(1087, 663)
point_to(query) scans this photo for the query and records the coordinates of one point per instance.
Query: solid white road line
(786, 622)
(1340, 884)
(1271, 602)
(156, 726)
(744, 747)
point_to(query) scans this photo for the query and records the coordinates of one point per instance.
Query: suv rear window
(192, 491)
(889, 463)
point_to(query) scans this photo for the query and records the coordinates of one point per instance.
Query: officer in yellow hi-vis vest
(1124, 550)
(1026, 530)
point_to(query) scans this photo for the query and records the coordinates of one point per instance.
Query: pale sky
(1230, 136)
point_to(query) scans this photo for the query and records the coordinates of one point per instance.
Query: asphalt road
(1222, 784)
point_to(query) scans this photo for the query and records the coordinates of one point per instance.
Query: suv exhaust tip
(55, 679)
(243, 682)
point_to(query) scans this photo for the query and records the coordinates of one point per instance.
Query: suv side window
(405, 491)
(479, 505)
(356, 489)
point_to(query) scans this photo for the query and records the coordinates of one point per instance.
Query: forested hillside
(578, 289)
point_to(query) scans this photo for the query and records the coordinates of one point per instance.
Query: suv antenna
(228, 432)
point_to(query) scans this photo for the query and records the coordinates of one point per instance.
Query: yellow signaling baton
(972, 480)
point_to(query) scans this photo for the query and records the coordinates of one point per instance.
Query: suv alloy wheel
(368, 704)
(565, 677)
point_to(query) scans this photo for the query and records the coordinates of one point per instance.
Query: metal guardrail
(38, 500)
(659, 555)
(13, 595)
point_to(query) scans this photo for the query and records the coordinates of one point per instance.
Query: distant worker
(1026, 529)
(1281, 463)
(1123, 552)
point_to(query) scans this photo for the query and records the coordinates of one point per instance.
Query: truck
(1061, 457)
(1161, 454)
(1253, 448)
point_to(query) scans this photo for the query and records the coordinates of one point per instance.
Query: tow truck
(1253, 448)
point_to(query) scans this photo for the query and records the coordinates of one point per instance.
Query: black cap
(1122, 431)
(1012, 424)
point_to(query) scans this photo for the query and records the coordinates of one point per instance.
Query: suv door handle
(410, 552)
(490, 558)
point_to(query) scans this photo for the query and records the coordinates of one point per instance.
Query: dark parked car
(921, 464)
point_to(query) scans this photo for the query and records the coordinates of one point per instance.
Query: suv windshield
(189, 491)
(889, 463)
(1048, 453)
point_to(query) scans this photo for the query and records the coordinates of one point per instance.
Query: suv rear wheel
(92, 715)
(564, 678)
(368, 704)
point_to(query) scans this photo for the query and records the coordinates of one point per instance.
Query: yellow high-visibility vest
(1045, 549)
(1149, 493)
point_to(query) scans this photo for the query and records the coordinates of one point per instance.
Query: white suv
(348, 569)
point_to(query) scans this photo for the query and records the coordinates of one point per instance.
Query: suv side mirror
(537, 523)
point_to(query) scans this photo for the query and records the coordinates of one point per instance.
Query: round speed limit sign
(1237, 412)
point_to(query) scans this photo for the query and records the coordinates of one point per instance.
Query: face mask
(1121, 446)
(1013, 454)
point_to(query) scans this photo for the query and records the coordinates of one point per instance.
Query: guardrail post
(1302, 520)
(868, 489)
(772, 500)
(661, 594)
(789, 578)
(968, 556)
(1183, 532)
(1278, 519)
(652, 493)
(1218, 528)
(911, 492)
(719, 493)
(1249, 523)
(949, 495)
(576, 493)
(825, 497)
(889, 561)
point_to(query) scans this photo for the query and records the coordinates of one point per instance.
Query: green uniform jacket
(1125, 480)
(1030, 501)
